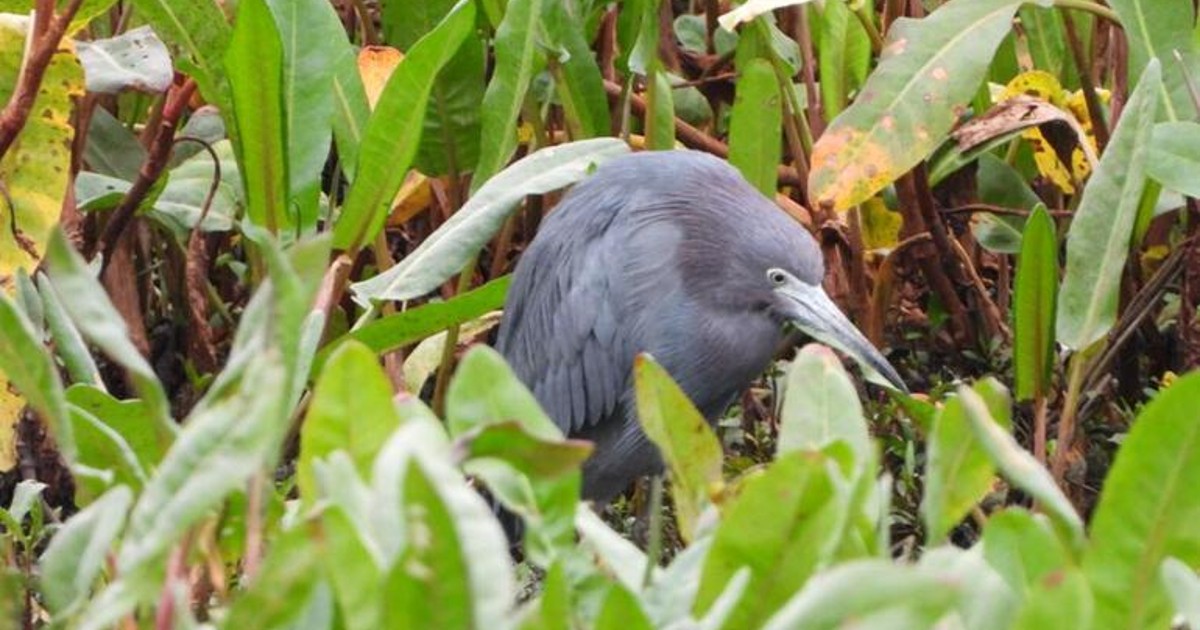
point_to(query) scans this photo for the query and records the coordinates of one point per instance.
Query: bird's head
(809, 308)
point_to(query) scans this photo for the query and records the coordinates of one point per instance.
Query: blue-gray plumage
(670, 253)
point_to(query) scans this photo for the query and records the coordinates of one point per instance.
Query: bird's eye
(776, 276)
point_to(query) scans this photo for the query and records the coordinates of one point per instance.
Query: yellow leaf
(375, 66)
(35, 174)
(880, 226)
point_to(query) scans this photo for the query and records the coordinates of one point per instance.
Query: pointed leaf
(1036, 289)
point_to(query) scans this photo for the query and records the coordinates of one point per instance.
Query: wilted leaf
(375, 67)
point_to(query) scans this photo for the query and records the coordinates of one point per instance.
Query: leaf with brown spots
(929, 71)
(34, 176)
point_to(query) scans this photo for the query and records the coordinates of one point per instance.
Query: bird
(671, 253)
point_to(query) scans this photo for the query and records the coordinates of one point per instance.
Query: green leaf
(754, 125)
(988, 411)
(484, 391)
(200, 30)
(136, 59)
(444, 252)
(312, 36)
(78, 551)
(843, 54)
(254, 63)
(821, 406)
(1160, 30)
(1023, 548)
(784, 525)
(577, 79)
(624, 560)
(622, 611)
(31, 367)
(529, 454)
(111, 147)
(393, 132)
(1146, 511)
(1062, 600)
(1174, 156)
(660, 111)
(1001, 185)
(351, 410)
(450, 140)
(89, 307)
(958, 473)
(353, 570)
(67, 341)
(930, 69)
(868, 594)
(1183, 585)
(350, 110)
(414, 324)
(687, 443)
(518, 59)
(1098, 240)
(216, 453)
(1034, 296)
(282, 586)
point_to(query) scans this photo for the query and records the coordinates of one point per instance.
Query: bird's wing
(561, 332)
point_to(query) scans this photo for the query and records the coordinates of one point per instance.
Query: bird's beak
(815, 314)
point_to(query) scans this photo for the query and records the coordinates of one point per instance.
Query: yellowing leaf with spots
(1045, 86)
(34, 173)
(929, 70)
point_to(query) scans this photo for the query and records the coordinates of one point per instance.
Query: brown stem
(153, 166)
(48, 31)
(987, 207)
(1039, 428)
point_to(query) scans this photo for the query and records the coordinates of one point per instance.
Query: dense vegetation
(252, 252)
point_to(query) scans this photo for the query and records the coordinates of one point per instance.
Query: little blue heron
(671, 253)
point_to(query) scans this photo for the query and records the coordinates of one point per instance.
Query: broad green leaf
(352, 569)
(518, 59)
(312, 36)
(444, 252)
(77, 552)
(986, 601)
(106, 454)
(33, 373)
(111, 147)
(660, 112)
(686, 442)
(1174, 156)
(577, 79)
(450, 140)
(136, 59)
(485, 393)
(930, 70)
(1098, 240)
(1001, 185)
(531, 455)
(552, 610)
(393, 132)
(1183, 585)
(283, 585)
(351, 410)
(98, 320)
(1146, 511)
(215, 455)
(757, 117)
(988, 413)
(454, 569)
(821, 406)
(255, 65)
(350, 111)
(868, 594)
(622, 611)
(181, 202)
(844, 55)
(784, 525)
(68, 343)
(1046, 34)
(1033, 299)
(202, 34)
(1160, 30)
(412, 325)
(1023, 548)
(1062, 600)
(958, 473)
(622, 558)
